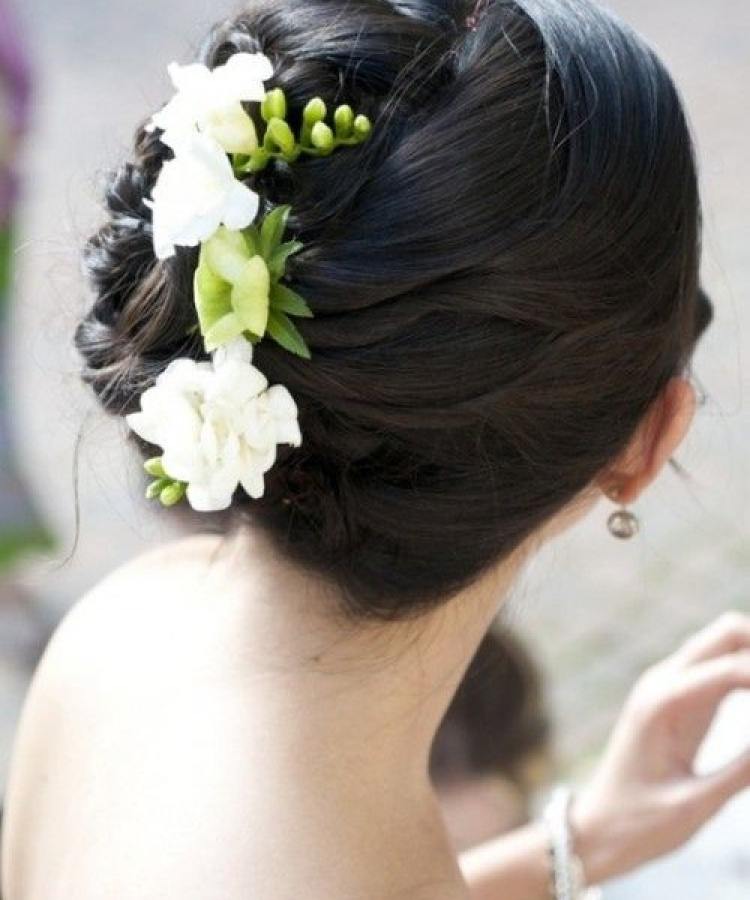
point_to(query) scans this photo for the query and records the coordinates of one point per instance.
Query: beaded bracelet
(567, 881)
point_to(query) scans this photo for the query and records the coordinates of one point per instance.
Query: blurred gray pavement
(596, 610)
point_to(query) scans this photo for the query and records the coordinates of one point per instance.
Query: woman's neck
(349, 712)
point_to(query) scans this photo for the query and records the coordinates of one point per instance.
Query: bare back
(132, 745)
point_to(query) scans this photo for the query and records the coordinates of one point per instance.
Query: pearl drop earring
(622, 523)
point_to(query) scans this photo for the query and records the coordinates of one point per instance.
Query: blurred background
(592, 611)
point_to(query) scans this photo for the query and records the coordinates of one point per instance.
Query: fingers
(709, 682)
(712, 791)
(727, 634)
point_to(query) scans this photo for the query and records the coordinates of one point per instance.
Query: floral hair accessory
(211, 101)
(197, 191)
(219, 423)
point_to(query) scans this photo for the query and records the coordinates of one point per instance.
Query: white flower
(211, 100)
(195, 193)
(218, 423)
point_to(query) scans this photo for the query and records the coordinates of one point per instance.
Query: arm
(512, 867)
(645, 799)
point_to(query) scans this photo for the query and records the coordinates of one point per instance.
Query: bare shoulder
(123, 613)
(146, 583)
(108, 734)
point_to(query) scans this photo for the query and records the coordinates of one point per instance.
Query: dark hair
(504, 277)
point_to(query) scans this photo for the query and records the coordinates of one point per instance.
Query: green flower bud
(315, 111)
(281, 134)
(362, 126)
(274, 105)
(343, 119)
(322, 137)
(155, 467)
(173, 494)
(156, 487)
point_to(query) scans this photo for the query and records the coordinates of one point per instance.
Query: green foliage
(284, 332)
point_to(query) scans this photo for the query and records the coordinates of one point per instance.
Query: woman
(502, 271)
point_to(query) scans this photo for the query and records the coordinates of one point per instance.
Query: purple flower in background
(22, 528)
(15, 84)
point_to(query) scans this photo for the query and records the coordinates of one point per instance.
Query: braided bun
(503, 277)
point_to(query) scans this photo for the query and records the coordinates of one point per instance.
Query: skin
(202, 725)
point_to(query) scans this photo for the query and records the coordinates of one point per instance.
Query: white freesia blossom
(219, 424)
(211, 101)
(195, 193)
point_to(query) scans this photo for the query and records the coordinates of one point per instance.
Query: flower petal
(239, 383)
(239, 349)
(281, 404)
(204, 498)
(209, 443)
(195, 192)
(184, 376)
(193, 78)
(226, 329)
(252, 481)
(226, 253)
(145, 427)
(288, 432)
(250, 295)
(232, 127)
(243, 75)
(241, 206)
(183, 462)
(212, 295)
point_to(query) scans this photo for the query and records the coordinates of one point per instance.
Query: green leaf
(284, 332)
(272, 230)
(226, 253)
(278, 260)
(251, 236)
(287, 301)
(155, 467)
(250, 298)
(224, 331)
(212, 296)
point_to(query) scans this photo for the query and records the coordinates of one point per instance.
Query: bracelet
(566, 869)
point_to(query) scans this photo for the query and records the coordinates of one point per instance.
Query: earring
(622, 523)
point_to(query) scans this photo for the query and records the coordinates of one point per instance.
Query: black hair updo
(504, 277)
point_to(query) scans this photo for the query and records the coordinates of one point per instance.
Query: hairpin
(219, 423)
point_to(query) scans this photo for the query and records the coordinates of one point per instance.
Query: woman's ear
(654, 442)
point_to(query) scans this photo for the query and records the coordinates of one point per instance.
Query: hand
(645, 798)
